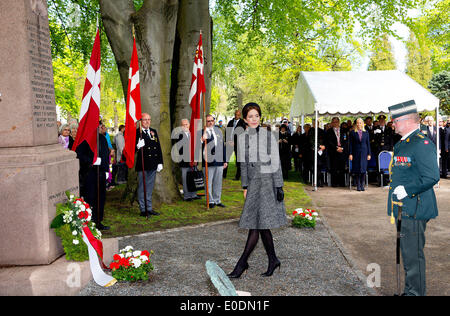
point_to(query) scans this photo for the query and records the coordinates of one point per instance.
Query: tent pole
(437, 134)
(316, 135)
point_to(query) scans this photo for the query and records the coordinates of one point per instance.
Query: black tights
(252, 240)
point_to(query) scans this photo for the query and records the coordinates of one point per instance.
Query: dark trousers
(337, 169)
(95, 193)
(412, 242)
(360, 180)
(444, 163)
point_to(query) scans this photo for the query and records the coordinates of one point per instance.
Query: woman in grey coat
(262, 181)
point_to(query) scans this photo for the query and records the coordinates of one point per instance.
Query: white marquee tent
(356, 92)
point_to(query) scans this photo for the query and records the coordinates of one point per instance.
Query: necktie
(338, 137)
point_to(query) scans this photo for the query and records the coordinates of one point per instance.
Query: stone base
(62, 277)
(32, 181)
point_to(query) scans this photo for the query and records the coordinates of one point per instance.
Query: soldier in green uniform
(414, 172)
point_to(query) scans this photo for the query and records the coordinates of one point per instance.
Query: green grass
(125, 220)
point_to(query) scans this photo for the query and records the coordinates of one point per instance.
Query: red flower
(145, 253)
(124, 262)
(114, 266)
(80, 215)
(302, 214)
(116, 257)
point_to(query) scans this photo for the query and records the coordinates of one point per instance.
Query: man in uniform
(152, 163)
(414, 172)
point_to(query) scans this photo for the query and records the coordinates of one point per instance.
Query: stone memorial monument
(35, 170)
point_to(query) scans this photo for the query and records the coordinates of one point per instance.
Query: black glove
(280, 194)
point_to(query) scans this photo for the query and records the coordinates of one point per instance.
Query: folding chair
(384, 159)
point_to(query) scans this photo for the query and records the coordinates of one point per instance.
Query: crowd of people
(343, 147)
(349, 147)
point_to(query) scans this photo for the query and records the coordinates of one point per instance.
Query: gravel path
(312, 263)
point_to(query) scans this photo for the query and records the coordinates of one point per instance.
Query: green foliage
(434, 26)
(418, 65)
(74, 252)
(73, 26)
(300, 222)
(260, 47)
(440, 87)
(382, 57)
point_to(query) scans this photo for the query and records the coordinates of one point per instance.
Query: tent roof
(353, 92)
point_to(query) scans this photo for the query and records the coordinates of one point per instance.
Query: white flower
(74, 233)
(128, 254)
(136, 253)
(144, 258)
(82, 208)
(78, 203)
(315, 214)
(128, 248)
(75, 242)
(71, 197)
(135, 262)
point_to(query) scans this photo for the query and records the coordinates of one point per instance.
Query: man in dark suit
(321, 151)
(148, 147)
(431, 131)
(234, 128)
(93, 177)
(216, 154)
(337, 149)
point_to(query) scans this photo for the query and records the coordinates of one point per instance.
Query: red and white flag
(133, 114)
(195, 95)
(90, 105)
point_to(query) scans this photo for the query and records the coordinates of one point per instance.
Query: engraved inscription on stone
(41, 71)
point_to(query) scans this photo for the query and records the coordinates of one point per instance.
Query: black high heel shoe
(271, 269)
(237, 272)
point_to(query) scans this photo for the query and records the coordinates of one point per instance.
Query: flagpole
(143, 170)
(98, 178)
(142, 151)
(206, 150)
(98, 153)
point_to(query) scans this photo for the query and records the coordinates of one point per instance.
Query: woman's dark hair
(250, 106)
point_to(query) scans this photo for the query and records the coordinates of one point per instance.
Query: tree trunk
(154, 26)
(193, 16)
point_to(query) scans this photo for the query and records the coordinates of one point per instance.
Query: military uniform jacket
(152, 151)
(414, 165)
(384, 140)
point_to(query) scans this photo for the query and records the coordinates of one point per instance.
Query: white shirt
(407, 135)
(210, 131)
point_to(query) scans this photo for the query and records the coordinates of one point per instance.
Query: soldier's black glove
(280, 194)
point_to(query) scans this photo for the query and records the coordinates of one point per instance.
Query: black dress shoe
(237, 272)
(212, 205)
(271, 269)
(220, 204)
(188, 200)
(152, 212)
(102, 227)
(197, 198)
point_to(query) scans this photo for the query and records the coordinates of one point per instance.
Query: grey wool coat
(261, 175)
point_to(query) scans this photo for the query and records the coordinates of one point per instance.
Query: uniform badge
(425, 142)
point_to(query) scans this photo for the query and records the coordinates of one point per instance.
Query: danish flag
(133, 114)
(90, 105)
(195, 95)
